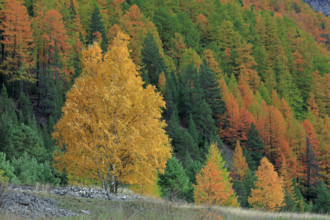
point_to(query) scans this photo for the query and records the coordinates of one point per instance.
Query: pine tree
(97, 27)
(174, 183)
(182, 141)
(151, 59)
(212, 91)
(192, 130)
(254, 148)
(243, 187)
(193, 103)
(322, 202)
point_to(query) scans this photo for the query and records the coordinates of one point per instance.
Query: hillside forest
(212, 102)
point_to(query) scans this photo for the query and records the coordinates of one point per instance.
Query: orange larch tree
(312, 163)
(18, 43)
(231, 130)
(54, 46)
(239, 165)
(268, 194)
(213, 182)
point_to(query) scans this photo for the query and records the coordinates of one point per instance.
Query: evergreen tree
(192, 167)
(193, 102)
(212, 91)
(153, 62)
(97, 27)
(322, 201)
(171, 95)
(192, 130)
(51, 95)
(254, 148)
(243, 187)
(301, 204)
(181, 140)
(174, 182)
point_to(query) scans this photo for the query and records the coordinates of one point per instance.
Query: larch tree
(17, 42)
(55, 47)
(268, 194)
(246, 64)
(239, 164)
(213, 182)
(111, 128)
(311, 161)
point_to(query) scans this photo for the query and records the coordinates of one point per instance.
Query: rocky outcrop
(82, 192)
(23, 201)
(25, 205)
(320, 5)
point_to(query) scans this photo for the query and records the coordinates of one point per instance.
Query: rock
(26, 205)
(320, 5)
(24, 201)
(85, 212)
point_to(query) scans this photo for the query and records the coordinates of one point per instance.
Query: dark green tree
(181, 140)
(192, 130)
(243, 187)
(322, 201)
(97, 26)
(212, 91)
(193, 102)
(153, 62)
(174, 183)
(171, 95)
(254, 148)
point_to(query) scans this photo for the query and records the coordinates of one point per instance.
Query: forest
(151, 95)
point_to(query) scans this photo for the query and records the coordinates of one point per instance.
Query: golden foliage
(268, 194)
(111, 129)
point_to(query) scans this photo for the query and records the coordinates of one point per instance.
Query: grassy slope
(155, 209)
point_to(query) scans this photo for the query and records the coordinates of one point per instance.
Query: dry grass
(159, 209)
(152, 208)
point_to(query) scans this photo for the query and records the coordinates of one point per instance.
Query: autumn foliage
(213, 182)
(17, 40)
(103, 127)
(268, 194)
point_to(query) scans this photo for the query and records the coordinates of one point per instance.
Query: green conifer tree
(174, 182)
(212, 91)
(153, 62)
(97, 25)
(322, 201)
(254, 148)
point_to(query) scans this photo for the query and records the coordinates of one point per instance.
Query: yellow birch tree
(111, 128)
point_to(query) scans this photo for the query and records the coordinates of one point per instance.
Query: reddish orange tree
(268, 194)
(54, 46)
(17, 41)
(312, 164)
(213, 182)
